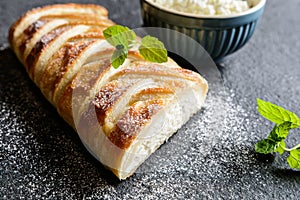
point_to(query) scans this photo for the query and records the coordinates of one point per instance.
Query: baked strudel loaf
(122, 115)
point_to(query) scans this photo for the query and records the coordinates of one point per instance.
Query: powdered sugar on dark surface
(41, 156)
(210, 157)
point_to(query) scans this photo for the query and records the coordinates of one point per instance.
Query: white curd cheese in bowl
(206, 7)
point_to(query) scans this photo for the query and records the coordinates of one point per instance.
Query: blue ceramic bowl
(220, 35)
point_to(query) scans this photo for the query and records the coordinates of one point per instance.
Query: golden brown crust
(152, 93)
(61, 62)
(158, 70)
(98, 10)
(131, 122)
(94, 32)
(160, 90)
(107, 97)
(80, 85)
(29, 33)
(81, 19)
(11, 33)
(40, 46)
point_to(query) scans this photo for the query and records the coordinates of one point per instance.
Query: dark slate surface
(42, 157)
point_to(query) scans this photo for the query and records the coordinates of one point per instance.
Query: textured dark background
(42, 157)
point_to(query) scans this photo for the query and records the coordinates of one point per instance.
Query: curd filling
(206, 7)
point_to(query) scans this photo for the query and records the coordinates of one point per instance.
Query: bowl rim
(201, 16)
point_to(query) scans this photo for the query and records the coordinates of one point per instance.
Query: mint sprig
(285, 120)
(124, 39)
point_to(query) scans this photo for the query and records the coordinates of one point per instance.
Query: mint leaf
(153, 50)
(277, 114)
(280, 147)
(294, 159)
(122, 38)
(280, 132)
(119, 56)
(275, 141)
(119, 35)
(265, 146)
(285, 121)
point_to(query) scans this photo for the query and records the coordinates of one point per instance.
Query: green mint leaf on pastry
(119, 35)
(119, 56)
(124, 39)
(153, 50)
